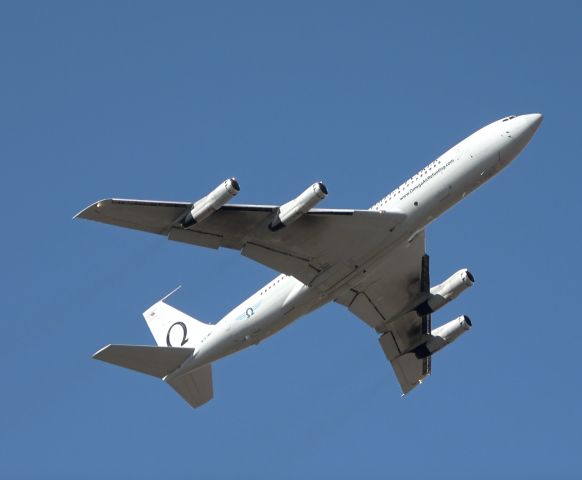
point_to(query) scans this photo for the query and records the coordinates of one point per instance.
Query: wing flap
(208, 240)
(323, 247)
(281, 261)
(363, 308)
(387, 294)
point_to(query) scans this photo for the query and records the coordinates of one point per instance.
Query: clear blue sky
(162, 100)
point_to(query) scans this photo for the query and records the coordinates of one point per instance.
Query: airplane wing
(386, 302)
(320, 249)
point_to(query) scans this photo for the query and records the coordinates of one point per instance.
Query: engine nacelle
(206, 206)
(299, 206)
(444, 292)
(447, 334)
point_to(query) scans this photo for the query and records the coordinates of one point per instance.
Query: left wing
(321, 248)
(387, 303)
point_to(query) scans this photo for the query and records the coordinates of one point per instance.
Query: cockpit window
(508, 118)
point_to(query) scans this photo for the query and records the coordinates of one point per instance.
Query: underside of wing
(387, 293)
(397, 300)
(321, 248)
(386, 301)
(145, 215)
(410, 368)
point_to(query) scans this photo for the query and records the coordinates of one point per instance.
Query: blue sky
(163, 100)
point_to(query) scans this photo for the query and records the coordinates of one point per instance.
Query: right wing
(321, 249)
(386, 302)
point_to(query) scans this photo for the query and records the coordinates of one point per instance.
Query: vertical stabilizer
(173, 328)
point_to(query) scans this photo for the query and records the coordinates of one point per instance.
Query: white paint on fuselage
(424, 197)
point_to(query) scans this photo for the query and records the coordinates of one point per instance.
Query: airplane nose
(526, 128)
(532, 122)
(519, 132)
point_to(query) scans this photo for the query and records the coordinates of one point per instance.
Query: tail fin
(173, 328)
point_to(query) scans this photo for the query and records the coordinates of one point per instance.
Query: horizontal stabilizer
(156, 361)
(194, 387)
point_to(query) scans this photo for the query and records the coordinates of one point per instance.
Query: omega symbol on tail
(184, 334)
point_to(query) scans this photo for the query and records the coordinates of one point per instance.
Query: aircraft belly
(261, 318)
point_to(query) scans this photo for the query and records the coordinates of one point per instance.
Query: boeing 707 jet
(373, 261)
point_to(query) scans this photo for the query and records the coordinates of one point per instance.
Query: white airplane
(372, 261)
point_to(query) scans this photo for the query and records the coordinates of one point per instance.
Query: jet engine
(206, 206)
(448, 333)
(444, 292)
(299, 206)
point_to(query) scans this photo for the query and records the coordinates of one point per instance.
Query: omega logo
(250, 312)
(184, 334)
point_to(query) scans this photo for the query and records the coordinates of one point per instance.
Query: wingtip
(83, 213)
(96, 354)
(78, 214)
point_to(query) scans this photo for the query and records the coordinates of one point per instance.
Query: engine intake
(296, 208)
(207, 205)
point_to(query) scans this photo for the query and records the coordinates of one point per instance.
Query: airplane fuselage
(422, 198)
